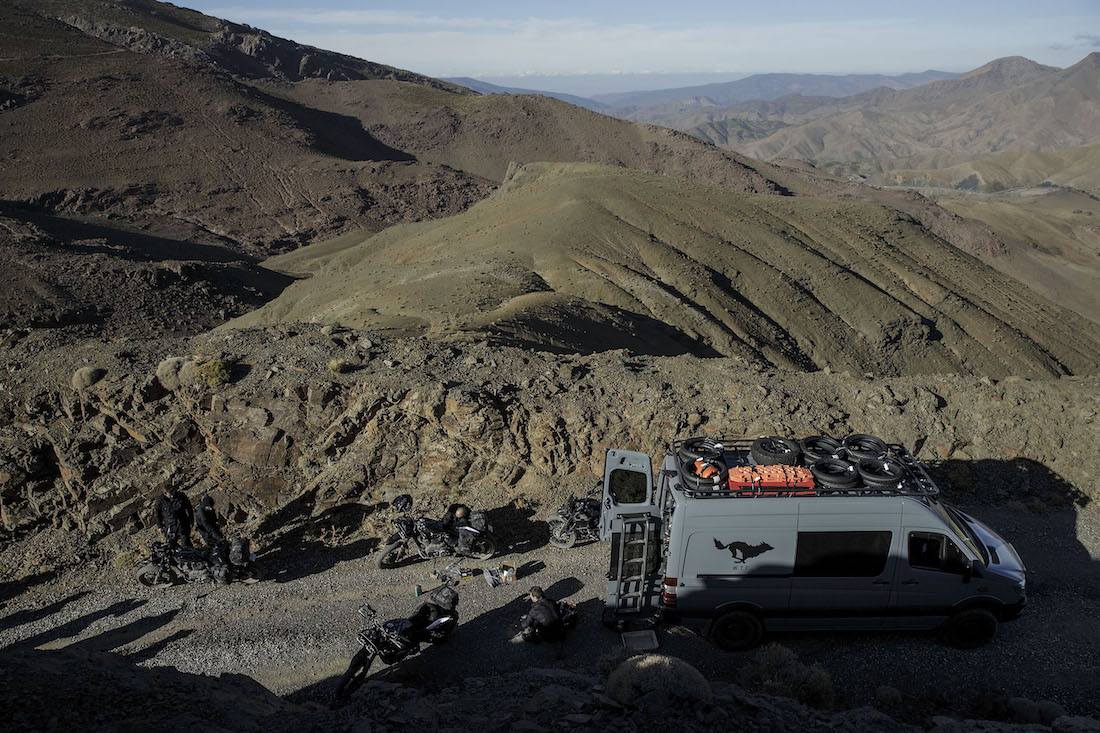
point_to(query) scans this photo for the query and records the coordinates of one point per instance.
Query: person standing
(173, 513)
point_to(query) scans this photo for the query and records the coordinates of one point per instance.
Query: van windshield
(962, 530)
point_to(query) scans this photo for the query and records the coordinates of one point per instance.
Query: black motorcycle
(577, 520)
(393, 640)
(427, 538)
(168, 565)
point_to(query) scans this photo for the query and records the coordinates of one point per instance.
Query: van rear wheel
(970, 629)
(736, 631)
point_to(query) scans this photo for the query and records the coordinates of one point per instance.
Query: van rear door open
(627, 487)
(844, 564)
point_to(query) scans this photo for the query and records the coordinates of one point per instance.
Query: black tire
(356, 675)
(386, 557)
(251, 574)
(560, 537)
(881, 473)
(737, 631)
(831, 473)
(150, 576)
(483, 547)
(970, 629)
(698, 483)
(819, 447)
(772, 451)
(693, 449)
(861, 446)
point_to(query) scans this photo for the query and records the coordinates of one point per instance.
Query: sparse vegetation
(776, 670)
(339, 366)
(658, 678)
(213, 374)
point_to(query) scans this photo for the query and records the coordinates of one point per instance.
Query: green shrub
(213, 374)
(776, 670)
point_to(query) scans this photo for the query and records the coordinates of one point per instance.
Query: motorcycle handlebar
(366, 611)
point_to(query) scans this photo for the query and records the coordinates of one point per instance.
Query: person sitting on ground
(542, 622)
(458, 515)
(172, 512)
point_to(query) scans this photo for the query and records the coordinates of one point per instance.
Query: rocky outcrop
(439, 420)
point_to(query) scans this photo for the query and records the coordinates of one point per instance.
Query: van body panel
(857, 536)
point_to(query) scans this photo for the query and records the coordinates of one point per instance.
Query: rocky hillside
(587, 258)
(309, 421)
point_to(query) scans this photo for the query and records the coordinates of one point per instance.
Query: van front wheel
(736, 631)
(970, 629)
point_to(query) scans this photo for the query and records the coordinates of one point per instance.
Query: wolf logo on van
(743, 551)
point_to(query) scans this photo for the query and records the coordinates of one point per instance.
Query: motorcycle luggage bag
(479, 521)
(240, 552)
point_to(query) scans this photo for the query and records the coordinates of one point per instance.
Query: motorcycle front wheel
(151, 576)
(356, 675)
(483, 548)
(561, 537)
(390, 555)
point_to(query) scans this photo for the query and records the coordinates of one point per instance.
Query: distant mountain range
(484, 87)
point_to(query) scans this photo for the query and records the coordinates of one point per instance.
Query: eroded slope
(586, 258)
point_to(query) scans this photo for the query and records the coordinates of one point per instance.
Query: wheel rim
(734, 633)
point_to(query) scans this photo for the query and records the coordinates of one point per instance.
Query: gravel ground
(294, 637)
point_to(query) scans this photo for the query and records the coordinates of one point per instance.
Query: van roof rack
(738, 452)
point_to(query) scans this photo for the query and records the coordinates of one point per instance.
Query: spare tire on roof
(819, 447)
(832, 473)
(707, 449)
(884, 473)
(861, 446)
(772, 451)
(697, 483)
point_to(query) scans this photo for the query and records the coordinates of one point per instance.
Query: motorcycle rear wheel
(484, 547)
(390, 555)
(150, 576)
(560, 537)
(356, 675)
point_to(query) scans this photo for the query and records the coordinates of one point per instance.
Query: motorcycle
(391, 641)
(577, 520)
(428, 538)
(168, 565)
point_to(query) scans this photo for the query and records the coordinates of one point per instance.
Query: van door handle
(881, 581)
(910, 582)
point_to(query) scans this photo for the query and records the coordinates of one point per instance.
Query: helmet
(207, 501)
(403, 503)
(444, 597)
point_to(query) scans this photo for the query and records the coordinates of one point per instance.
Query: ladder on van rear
(634, 576)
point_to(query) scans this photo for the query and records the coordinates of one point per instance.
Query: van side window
(934, 551)
(628, 487)
(841, 554)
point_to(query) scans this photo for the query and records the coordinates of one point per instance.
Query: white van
(745, 561)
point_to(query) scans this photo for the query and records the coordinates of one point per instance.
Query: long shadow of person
(20, 618)
(78, 625)
(299, 551)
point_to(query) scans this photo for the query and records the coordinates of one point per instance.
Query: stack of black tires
(709, 451)
(858, 461)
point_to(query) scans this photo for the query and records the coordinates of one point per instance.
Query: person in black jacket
(458, 515)
(542, 622)
(206, 521)
(173, 513)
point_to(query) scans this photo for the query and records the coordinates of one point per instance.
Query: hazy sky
(568, 37)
